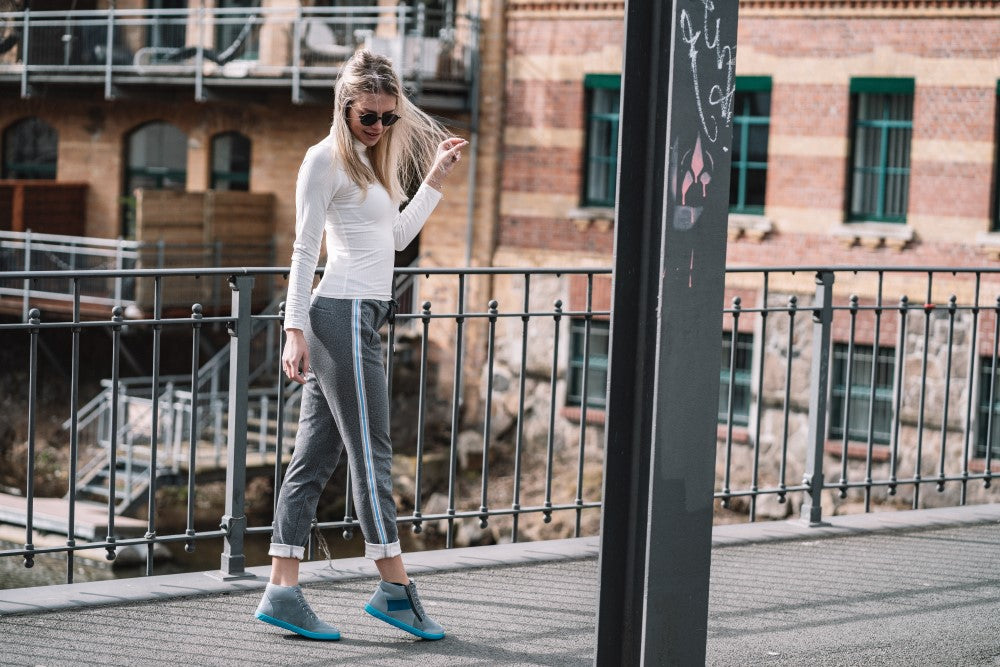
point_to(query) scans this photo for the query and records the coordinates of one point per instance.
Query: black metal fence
(838, 392)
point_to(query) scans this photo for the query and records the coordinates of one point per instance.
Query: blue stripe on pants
(363, 416)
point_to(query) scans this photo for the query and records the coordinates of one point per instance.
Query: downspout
(473, 135)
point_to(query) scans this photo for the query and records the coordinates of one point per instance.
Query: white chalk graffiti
(720, 96)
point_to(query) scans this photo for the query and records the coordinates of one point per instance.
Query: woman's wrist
(435, 182)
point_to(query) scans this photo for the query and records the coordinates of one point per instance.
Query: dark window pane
(985, 431)
(230, 38)
(156, 159)
(30, 148)
(755, 187)
(602, 146)
(860, 393)
(597, 371)
(167, 32)
(881, 156)
(741, 374)
(231, 162)
(751, 128)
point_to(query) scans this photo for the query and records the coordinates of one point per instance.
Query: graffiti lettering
(719, 94)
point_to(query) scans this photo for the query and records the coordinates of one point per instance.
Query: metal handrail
(95, 48)
(781, 452)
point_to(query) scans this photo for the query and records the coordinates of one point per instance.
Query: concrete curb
(139, 589)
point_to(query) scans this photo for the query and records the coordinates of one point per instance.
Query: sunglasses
(370, 118)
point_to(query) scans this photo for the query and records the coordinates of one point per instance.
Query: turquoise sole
(296, 629)
(402, 626)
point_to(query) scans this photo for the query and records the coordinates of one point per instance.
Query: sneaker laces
(307, 609)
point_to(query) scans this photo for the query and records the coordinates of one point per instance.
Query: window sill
(595, 416)
(858, 451)
(989, 244)
(872, 235)
(741, 434)
(749, 226)
(978, 466)
(600, 218)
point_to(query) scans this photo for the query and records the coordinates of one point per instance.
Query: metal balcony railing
(835, 387)
(38, 253)
(294, 47)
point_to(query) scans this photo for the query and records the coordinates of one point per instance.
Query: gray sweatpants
(345, 403)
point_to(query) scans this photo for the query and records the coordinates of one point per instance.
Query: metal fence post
(26, 298)
(234, 521)
(25, 32)
(119, 265)
(819, 381)
(109, 91)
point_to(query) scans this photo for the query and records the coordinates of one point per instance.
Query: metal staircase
(174, 395)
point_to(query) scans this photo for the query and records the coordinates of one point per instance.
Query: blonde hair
(407, 148)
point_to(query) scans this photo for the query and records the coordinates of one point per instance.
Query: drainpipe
(473, 136)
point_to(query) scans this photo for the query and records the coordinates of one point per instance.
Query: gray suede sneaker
(400, 605)
(285, 607)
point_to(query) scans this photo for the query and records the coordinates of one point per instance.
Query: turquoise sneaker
(285, 607)
(400, 606)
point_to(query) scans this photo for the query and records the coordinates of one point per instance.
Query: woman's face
(378, 104)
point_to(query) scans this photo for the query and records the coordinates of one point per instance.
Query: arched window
(155, 159)
(230, 162)
(30, 147)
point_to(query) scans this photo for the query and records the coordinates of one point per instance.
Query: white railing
(250, 43)
(29, 251)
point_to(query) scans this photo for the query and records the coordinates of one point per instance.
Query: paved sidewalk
(914, 588)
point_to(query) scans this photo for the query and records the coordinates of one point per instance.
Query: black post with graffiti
(678, 91)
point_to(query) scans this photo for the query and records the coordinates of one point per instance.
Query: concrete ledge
(854, 524)
(125, 591)
(138, 589)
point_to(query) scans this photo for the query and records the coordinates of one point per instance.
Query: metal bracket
(227, 523)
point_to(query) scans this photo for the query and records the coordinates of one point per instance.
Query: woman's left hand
(448, 154)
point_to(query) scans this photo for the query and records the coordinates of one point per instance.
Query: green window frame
(230, 162)
(860, 392)
(30, 150)
(740, 375)
(601, 92)
(987, 386)
(881, 137)
(597, 384)
(751, 130)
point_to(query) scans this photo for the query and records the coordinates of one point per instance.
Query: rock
(470, 450)
(470, 534)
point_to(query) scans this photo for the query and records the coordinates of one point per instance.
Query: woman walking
(350, 186)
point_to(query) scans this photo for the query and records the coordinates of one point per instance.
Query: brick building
(865, 134)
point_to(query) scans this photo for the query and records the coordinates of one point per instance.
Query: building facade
(865, 134)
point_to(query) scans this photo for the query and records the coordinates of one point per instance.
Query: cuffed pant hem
(380, 551)
(286, 551)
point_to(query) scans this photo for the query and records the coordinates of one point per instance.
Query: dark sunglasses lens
(370, 118)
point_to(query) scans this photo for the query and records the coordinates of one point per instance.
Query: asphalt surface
(915, 594)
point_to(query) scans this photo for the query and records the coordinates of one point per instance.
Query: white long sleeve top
(363, 229)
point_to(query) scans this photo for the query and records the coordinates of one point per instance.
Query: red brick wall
(543, 97)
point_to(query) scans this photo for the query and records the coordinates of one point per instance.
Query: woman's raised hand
(448, 154)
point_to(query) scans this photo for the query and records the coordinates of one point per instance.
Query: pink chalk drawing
(697, 172)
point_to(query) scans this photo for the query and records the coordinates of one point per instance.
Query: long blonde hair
(407, 148)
